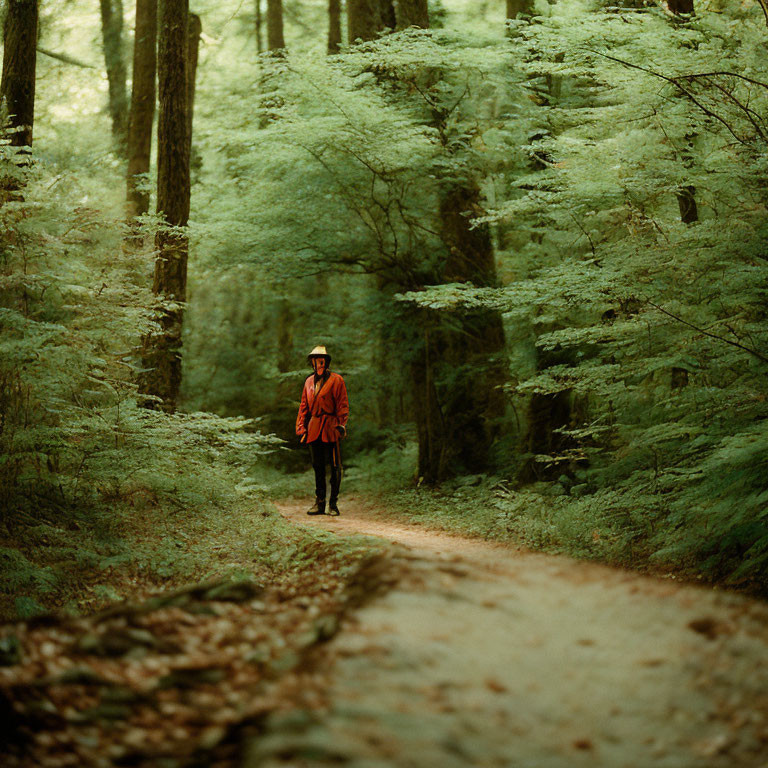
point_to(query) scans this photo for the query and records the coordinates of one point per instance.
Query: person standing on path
(322, 424)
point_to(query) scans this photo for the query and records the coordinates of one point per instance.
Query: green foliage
(27, 608)
(654, 330)
(316, 218)
(582, 127)
(72, 434)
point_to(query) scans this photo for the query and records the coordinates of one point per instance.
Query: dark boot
(333, 508)
(318, 508)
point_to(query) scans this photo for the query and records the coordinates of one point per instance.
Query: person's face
(318, 363)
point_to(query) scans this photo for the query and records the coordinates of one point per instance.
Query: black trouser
(326, 454)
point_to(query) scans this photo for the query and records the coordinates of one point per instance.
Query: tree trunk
(142, 112)
(17, 87)
(162, 351)
(430, 421)
(195, 29)
(258, 19)
(686, 201)
(458, 383)
(412, 13)
(686, 195)
(517, 8)
(681, 6)
(275, 39)
(364, 20)
(334, 26)
(546, 415)
(387, 14)
(112, 35)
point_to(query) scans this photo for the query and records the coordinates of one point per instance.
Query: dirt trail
(484, 655)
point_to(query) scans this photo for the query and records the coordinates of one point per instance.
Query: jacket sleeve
(301, 419)
(342, 404)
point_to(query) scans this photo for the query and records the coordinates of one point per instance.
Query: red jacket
(320, 414)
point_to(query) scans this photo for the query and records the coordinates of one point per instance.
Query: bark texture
(334, 26)
(411, 13)
(17, 87)
(195, 29)
(112, 36)
(258, 25)
(275, 38)
(517, 8)
(365, 18)
(142, 112)
(387, 12)
(162, 351)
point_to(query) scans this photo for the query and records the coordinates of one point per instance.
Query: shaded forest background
(533, 237)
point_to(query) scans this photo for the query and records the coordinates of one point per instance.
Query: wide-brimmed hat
(319, 351)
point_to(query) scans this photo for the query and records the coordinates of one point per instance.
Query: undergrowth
(625, 526)
(147, 547)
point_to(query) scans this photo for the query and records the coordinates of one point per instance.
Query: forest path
(485, 655)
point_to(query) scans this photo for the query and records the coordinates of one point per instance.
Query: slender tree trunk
(334, 26)
(112, 35)
(142, 112)
(283, 411)
(17, 87)
(686, 195)
(546, 413)
(275, 39)
(162, 351)
(412, 13)
(430, 420)
(259, 43)
(195, 29)
(193, 54)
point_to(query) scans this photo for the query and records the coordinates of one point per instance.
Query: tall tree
(17, 87)
(275, 37)
(686, 194)
(142, 112)
(411, 13)
(258, 22)
(195, 29)
(461, 367)
(387, 11)
(162, 351)
(334, 26)
(366, 18)
(547, 414)
(112, 36)
(457, 365)
(517, 8)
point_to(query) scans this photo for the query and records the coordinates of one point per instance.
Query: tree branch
(65, 58)
(707, 333)
(676, 82)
